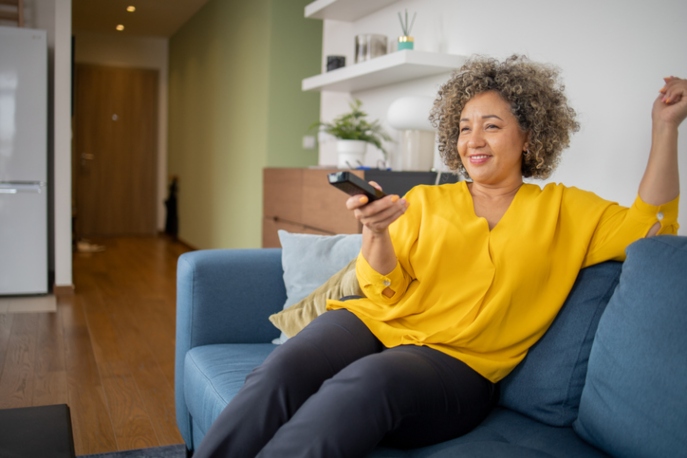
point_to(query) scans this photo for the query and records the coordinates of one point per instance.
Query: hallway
(108, 351)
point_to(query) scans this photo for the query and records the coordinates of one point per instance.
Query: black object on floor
(36, 432)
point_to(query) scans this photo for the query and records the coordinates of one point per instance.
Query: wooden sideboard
(302, 200)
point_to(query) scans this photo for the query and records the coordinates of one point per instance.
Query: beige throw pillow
(292, 319)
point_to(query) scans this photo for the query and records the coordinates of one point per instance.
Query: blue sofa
(608, 378)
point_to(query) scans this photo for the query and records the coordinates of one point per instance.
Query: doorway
(115, 151)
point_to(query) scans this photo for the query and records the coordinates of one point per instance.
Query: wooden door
(115, 153)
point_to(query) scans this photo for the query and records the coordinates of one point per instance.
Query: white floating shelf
(390, 68)
(344, 10)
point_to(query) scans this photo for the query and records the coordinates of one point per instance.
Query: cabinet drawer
(324, 206)
(282, 193)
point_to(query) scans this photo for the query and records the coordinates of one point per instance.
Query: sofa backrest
(634, 402)
(548, 383)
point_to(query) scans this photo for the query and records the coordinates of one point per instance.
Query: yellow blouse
(486, 296)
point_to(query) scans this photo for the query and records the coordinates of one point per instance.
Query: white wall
(138, 52)
(55, 16)
(612, 53)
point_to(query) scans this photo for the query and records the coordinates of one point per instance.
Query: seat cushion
(213, 374)
(634, 402)
(548, 383)
(504, 434)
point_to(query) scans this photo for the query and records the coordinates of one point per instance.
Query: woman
(467, 278)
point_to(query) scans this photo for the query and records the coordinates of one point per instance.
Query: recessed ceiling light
(131, 9)
(120, 27)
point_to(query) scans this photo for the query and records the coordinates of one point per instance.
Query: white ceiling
(153, 18)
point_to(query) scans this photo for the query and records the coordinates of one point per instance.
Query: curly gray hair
(537, 100)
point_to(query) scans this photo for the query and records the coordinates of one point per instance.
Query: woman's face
(491, 142)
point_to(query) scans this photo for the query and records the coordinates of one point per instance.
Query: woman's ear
(526, 145)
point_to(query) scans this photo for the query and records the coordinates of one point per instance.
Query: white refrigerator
(23, 161)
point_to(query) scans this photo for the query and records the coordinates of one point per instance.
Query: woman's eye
(492, 126)
(464, 129)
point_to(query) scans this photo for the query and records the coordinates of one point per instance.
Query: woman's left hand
(671, 104)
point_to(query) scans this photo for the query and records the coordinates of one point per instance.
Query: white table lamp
(410, 115)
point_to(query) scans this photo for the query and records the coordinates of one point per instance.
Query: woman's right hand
(377, 247)
(378, 215)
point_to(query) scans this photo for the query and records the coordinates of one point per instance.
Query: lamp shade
(410, 113)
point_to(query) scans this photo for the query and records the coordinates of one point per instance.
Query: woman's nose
(475, 139)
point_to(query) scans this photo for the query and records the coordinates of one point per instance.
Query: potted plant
(353, 131)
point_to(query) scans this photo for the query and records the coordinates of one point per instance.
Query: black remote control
(354, 185)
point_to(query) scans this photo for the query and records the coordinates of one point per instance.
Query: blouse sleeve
(620, 226)
(404, 234)
(373, 284)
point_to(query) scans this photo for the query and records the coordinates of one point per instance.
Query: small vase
(405, 42)
(351, 153)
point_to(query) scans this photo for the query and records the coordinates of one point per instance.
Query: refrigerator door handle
(34, 187)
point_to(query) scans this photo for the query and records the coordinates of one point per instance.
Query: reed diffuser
(406, 41)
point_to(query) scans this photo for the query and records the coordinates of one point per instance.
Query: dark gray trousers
(334, 390)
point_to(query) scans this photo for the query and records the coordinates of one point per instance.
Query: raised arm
(661, 181)
(376, 217)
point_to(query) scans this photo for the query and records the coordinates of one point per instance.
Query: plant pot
(351, 153)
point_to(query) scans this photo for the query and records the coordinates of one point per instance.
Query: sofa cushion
(310, 260)
(294, 318)
(634, 402)
(213, 374)
(507, 434)
(548, 383)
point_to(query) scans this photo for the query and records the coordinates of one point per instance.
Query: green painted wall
(235, 107)
(295, 49)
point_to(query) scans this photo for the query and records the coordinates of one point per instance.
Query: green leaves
(355, 126)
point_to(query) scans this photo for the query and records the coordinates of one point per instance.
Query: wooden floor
(108, 351)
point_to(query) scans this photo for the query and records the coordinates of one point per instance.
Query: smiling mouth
(477, 158)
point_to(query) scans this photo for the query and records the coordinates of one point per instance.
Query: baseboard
(177, 240)
(63, 290)
(186, 244)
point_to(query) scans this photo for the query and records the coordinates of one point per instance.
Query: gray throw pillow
(310, 260)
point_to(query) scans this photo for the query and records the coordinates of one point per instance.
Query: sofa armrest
(224, 296)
